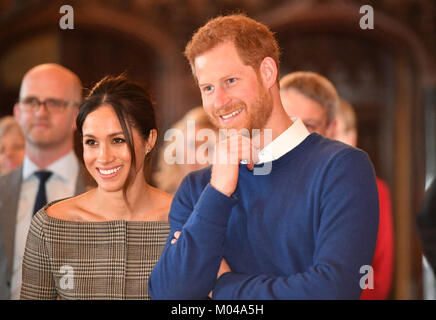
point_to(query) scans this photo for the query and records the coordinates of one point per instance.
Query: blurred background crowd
(388, 74)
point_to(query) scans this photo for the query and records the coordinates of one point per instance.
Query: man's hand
(224, 268)
(176, 237)
(228, 154)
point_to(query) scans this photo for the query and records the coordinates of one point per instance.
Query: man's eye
(54, 103)
(119, 140)
(31, 101)
(207, 89)
(90, 142)
(231, 80)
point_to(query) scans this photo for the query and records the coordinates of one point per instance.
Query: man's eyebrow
(230, 75)
(29, 97)
(32, 96)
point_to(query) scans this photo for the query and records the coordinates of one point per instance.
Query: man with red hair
(300, 230)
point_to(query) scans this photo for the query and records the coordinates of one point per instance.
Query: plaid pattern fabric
(90, 260)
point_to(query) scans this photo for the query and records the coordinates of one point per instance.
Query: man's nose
(41, 110)
(221, 98)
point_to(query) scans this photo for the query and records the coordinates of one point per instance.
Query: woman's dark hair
(133, 107)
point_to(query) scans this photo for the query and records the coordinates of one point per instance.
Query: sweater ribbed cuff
(215, 206)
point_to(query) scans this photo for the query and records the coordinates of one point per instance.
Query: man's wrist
(221, 190)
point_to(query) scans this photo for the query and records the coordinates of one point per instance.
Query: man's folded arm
(188, 268)
(345, 242)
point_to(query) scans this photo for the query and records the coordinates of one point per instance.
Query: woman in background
(12, 145)
(169, 175)
(104, 243)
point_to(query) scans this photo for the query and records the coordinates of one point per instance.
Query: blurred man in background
(426, 222)
(48, 104)
(383, 263)
(4, 288)
(314, 98)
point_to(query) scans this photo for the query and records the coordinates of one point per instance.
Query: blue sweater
(301, 232)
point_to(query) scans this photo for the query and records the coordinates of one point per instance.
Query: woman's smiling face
(105, 150)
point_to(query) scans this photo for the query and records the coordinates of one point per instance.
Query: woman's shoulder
(70, 209)
(162, 201)
(52, 214)
(165, 197)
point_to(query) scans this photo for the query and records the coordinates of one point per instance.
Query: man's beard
(257, 114)
(260, 111)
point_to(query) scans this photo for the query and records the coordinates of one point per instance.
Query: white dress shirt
(61, 184)
(285, 142)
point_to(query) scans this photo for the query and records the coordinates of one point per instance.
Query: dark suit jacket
(426, 222)
(4, 288)
(10, 186)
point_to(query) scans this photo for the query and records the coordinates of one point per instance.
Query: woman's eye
(231, 80)
(90, 142)
(119, 140)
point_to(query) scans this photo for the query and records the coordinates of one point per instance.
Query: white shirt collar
(285, 142)
(66, 167)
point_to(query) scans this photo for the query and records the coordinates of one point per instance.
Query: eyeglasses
(52, 105)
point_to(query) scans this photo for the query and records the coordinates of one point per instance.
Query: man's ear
(353, 138)
(331, 130)
(17, 112)
(75, 114)
(268, 71)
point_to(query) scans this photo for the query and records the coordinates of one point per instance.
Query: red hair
(253, 40)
